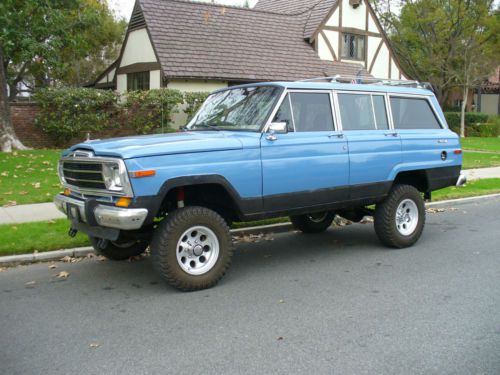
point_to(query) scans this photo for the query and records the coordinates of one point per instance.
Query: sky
(123, 8)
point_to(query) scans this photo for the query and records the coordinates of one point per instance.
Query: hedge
(475, 124)
(67, 113)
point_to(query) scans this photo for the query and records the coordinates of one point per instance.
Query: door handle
(391, 134)
(336, 136)
(442, 141)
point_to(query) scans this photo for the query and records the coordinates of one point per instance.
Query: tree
(479, 50)
(39, 39)
(429, 35)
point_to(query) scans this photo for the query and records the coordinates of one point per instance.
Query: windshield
(238, 109)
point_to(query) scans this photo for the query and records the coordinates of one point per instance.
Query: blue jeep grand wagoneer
(308, 150)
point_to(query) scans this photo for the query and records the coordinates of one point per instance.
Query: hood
(162, 144)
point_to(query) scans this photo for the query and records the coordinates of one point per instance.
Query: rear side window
(363, 112)
(413, 113)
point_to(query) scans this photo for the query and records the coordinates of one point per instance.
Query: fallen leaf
(8, 193)
(94, 345)
(279, 338)
(3, 269)
(36, 185)
(62, 275)
(435, 210)
(52, 266)
(367, 220)
(14, 153)
(267, 256)
(4, 174)
(51, 222)
(10, 204)
(30, 283)
(23, 193)
(19, 166)
(281, 301)
(45, 162)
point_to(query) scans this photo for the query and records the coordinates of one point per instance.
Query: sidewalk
(47, 211)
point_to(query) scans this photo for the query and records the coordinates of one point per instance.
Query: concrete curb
(45, 257)
(273, 228)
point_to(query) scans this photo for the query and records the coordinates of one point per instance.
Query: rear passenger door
(374, 147)
(309, 165)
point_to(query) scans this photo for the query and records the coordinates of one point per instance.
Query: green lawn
(480, 160)
(482, 144)
(471, 189)
(29, 176)
(42, 236)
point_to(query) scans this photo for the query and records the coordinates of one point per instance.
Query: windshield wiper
(208, 126)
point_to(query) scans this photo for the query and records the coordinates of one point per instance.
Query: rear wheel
(400, 218)
(313, 223)
(192, 248)
(119, 250)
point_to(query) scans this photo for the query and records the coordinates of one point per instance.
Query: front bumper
(102, 215)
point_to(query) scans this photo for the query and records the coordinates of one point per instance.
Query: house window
(353, 46)
(138, 81)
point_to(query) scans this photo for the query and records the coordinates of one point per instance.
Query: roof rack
(359, 79)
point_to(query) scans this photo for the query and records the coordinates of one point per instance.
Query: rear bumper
(462, 180)
(95, 214)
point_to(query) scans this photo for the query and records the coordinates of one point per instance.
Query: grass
(52, 235)
(40, 236)
(471, 189)
(481, 144)
(480, 160)
(29, 176)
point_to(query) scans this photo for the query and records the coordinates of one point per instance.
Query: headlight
(115, 177)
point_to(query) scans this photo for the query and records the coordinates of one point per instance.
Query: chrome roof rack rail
(359, 79)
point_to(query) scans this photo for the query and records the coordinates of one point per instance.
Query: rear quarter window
(413, 113)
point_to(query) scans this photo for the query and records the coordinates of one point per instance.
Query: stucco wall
(138, 49)
(378, 61)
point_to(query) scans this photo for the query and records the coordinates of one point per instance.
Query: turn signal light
(457, 152)
(139, 174)
(67, 192)
(123, 202)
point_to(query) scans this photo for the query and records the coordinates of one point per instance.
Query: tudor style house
(193, 46)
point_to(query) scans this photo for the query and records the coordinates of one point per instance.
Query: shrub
(68, 112)
(193, 102)
(151, 111)
(471, 119)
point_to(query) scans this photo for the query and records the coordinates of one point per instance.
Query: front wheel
(120, 250)
(192, 248)
(313, 223)
(400, 218)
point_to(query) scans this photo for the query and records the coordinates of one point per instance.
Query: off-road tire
(385, 217)
(306, 224)
(164, 247)
(119, 250)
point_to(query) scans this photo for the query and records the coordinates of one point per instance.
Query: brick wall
(23, 120)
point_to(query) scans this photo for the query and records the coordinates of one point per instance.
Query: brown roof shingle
(206, 41)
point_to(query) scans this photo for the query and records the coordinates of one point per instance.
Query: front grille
(84, 175)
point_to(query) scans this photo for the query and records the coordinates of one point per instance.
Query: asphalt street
(333, 303)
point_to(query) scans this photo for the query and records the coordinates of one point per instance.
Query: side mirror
(278, 128)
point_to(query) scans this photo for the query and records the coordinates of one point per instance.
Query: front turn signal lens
(139, 174)
(67, 192)
(123, 202)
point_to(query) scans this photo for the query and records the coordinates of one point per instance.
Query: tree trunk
(462, 113)
(8, 138)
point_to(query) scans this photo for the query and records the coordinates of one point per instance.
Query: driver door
(308, 166)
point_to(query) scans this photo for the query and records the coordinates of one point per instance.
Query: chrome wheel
(407, 217)
(197, 250)
(318, 217)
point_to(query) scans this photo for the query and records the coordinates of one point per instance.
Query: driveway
(334, 303)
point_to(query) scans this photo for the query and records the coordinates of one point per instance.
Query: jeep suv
(308, 150)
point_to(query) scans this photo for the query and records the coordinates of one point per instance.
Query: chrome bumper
(105, 216)
(462, 180)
